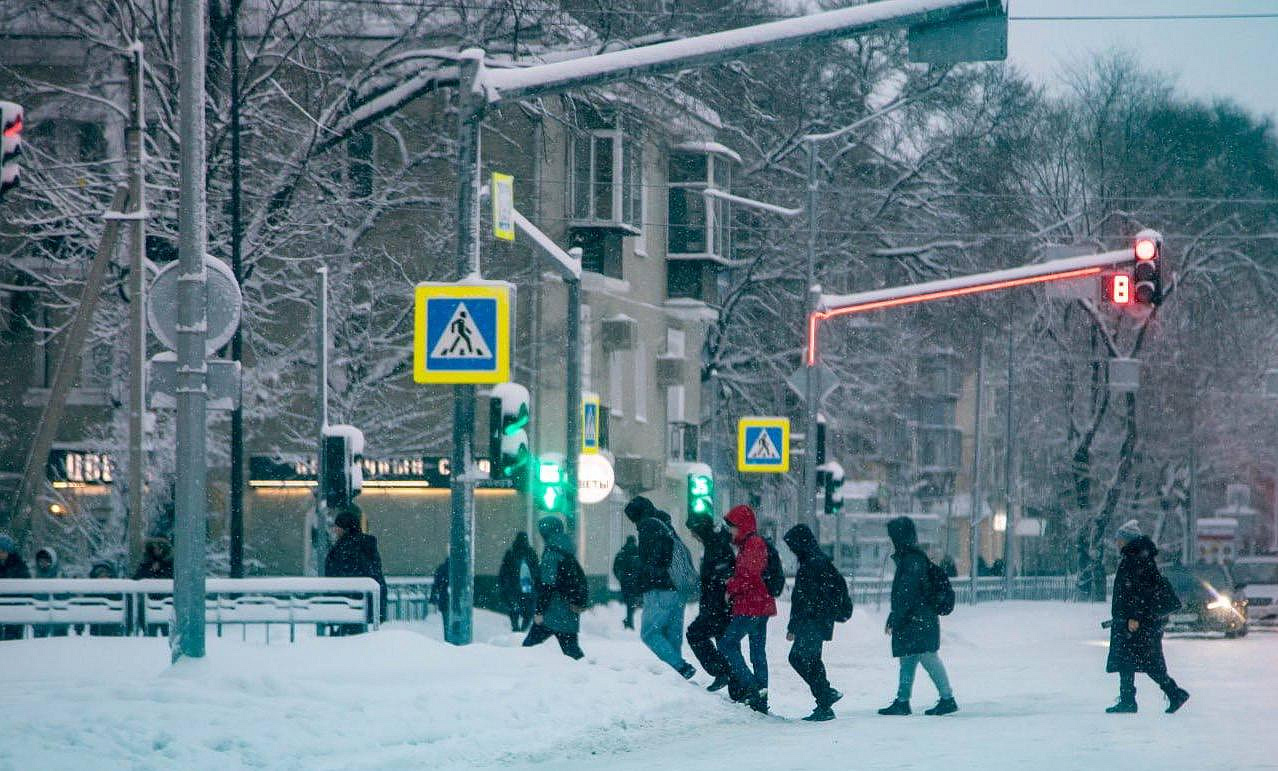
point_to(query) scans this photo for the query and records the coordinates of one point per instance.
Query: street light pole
(137, 291)
(811, 387)
(975, 509)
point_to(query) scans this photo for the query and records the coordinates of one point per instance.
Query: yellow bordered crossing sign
(590, 423)
(763, 445)
(503, 197)
(461, 332)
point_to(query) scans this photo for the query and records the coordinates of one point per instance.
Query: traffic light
(1117, 288)
(11, 119)
(508, 450)
(1148, 289)
(700, 493)
(833, 477)
(548, 490)
(342, 478)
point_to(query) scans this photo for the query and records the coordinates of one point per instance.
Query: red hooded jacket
(746, 588)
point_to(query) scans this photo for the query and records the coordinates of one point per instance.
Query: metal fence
(988, 589)
(408, 597)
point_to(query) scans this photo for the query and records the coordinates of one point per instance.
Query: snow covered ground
(1029, 678)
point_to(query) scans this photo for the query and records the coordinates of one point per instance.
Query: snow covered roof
(860, 489)
(707, 147)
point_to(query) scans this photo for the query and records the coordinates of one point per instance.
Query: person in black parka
(913, 622)
(713, 613)
(439, 591)
(354, 555)
(11, 566)
(820, 598)
(517, 582)
(625, 567)
(1136, 635)
(157, 560)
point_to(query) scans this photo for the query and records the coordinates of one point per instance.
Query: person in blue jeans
(752, 606)
(661, 628)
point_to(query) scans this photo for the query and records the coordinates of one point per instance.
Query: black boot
(830, 698)
(1125, 706)
(1176, 698)
(943, 707)
(720, 682)
(687, 671)
(758, 701)
(897, 707)
(820, 715)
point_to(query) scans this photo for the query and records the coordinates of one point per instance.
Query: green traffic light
(519, 422)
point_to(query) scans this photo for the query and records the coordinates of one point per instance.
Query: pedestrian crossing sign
(590, 423)
(763, 445)
(461, 332)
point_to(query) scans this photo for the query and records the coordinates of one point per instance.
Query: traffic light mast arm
(879, 299)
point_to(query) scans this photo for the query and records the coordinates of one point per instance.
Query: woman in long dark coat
(1141, 600)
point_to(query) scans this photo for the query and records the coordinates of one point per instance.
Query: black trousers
(521, 612)
(805, 657)
(567, 642)
(1127, 683)
(632, 601)
(703, 637)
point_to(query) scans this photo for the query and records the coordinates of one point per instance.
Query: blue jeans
(935, 670)
(756, 628)
(662, 626)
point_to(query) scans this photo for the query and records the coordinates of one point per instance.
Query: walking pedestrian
(820, 598)
(46, 561)
(913, 623)
(625, 567)
(439, 591)
(354, 554)
(516, 582)
(713, 614)
(661, 627)
(561, 591)
(751, 607)
(11, 566)
(1142, 600)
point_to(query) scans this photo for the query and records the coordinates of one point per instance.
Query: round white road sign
(595, 478)
(224, 302)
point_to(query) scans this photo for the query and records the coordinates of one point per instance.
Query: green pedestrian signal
(548, 485)
(700, 494)
(508, 448)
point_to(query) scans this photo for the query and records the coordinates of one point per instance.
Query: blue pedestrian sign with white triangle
(462, 333)
(763, 445)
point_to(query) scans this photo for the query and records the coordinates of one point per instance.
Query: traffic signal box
(11, 122)
(342, 478)
(548, 484)
(700, 494)
(1143, 286)
(508, 450)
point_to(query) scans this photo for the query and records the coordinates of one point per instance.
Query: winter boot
(820, 715)
(897, 707)
(687, 671)
(943, 707)
(758, 701)
(719, 684)
(830, 699)
(1176, 698)
(1123, 707)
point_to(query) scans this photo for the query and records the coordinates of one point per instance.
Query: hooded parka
(916, 629)
(746, 589)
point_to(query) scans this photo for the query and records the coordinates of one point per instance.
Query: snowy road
(1028, 676)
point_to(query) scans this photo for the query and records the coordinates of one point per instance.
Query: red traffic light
(15, 128)
(1146, 249)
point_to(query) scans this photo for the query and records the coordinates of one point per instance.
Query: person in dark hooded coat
(561, 591)
(625, 567)
(913, 622)
(1141, 597)
(517, 582)
(713, 614)
(819, 598)
(11, 566)
(661, 627)
(355, 555)
(157, 560)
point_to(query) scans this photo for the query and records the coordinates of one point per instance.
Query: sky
(1232, 58)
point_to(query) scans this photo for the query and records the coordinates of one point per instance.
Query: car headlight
(1220, 603)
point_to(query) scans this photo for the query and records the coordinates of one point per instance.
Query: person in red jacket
(752, 606)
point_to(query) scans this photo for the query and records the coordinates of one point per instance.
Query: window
(616, 389)
(641, 383)
(698, 225)
(606, 173)
(681, 442)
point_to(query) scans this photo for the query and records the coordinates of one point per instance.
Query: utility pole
(189, 531)
(572, 406)
(461, 546)
(135, 137)
(237, 341)
(975, 509)
(812, 389)
(1009, 535)
(319, 527)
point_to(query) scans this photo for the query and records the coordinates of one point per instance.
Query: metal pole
(1009, 534)
(461, 575)
(974, 510)
(807, 509)
(319, 523)
(237, 341)
(135, 136)
(189, 531)
(572, 406)
(1187, 556)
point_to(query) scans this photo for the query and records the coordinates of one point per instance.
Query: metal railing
(124, 607)
(988, 589)
(408, 597)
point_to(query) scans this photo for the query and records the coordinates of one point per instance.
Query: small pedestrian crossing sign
(461, 333)
(763, 445)
(590, 423)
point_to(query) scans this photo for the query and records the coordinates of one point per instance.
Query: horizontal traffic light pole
(832, 306)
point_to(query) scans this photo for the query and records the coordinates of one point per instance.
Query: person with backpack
(752, 604)
(517, 582)
(561, 591)
(661, 627)
(713, 612)
(819, 600)
(625, 567)
(1143, 599)
(920, 593)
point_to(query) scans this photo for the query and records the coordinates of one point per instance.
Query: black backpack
(571, 582)
(773, 573)
(842, 599)
(942, 595)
